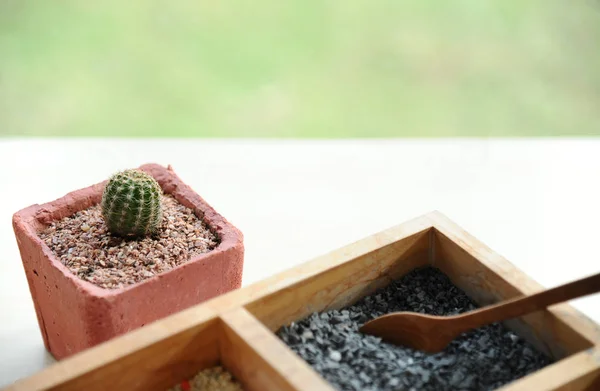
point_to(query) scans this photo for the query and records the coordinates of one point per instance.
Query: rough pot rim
(34, 217)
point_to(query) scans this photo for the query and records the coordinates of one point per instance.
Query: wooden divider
(261, 360)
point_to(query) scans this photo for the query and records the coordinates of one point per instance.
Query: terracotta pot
(74, 314)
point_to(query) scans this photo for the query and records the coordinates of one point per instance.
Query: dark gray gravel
(482, 359)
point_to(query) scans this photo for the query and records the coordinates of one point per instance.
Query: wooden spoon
(433, 333)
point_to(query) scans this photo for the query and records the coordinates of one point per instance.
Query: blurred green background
(300, 68)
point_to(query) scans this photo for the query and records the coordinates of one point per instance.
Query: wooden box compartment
(237, 329)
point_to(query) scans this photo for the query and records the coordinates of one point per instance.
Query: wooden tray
(237, 329)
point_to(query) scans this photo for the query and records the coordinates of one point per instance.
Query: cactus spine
(131, 204)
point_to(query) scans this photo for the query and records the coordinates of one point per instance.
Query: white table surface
(534, 201)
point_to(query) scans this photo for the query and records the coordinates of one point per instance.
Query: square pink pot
(74, 314)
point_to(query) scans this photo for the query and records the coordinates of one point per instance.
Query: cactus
(131, 204)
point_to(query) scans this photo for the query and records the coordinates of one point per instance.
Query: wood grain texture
(151, 358)
(489, 278)
(578, 372)
(260, 360)
(342, 285)
(369, 250)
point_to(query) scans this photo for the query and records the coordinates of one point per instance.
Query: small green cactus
(131, 204)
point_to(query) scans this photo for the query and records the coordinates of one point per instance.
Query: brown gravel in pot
(83, 244)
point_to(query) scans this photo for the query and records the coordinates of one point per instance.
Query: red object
(185, 385)
(74, 314)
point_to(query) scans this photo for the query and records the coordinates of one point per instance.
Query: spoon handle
(526, 304)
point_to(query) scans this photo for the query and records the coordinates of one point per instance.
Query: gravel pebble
(211, 379)
(83, 244)
(482, 359)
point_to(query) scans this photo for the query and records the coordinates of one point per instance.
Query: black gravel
(483, 359)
